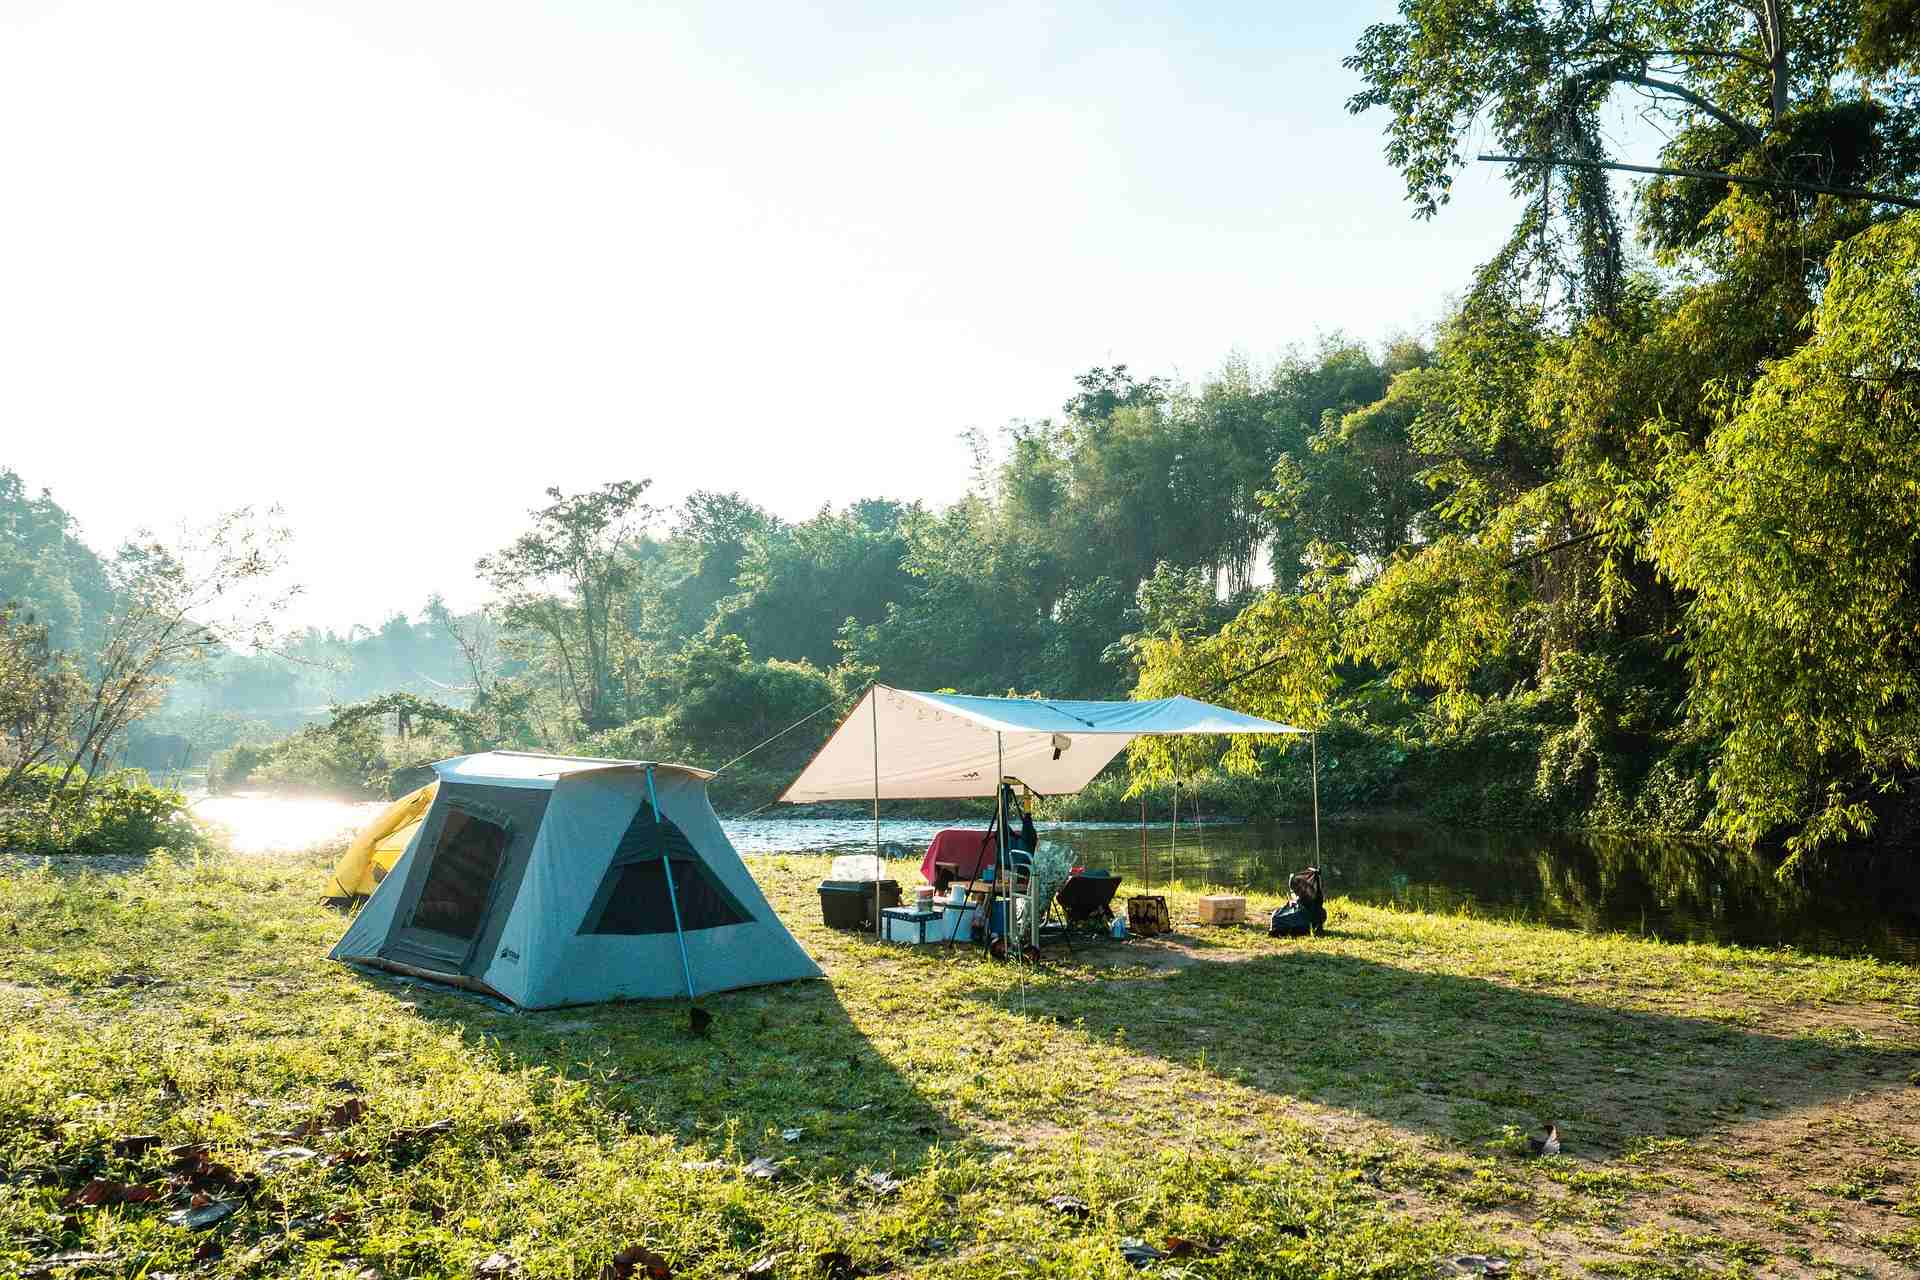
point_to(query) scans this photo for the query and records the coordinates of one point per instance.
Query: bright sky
(399, 265)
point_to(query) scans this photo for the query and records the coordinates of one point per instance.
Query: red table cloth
(968, 850)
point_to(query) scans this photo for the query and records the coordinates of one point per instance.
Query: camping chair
(1087, 898)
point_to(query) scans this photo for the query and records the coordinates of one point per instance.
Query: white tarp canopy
(948, 745)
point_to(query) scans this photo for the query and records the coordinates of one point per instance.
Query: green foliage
(1437, 618)
(721, 703)
(121, 814)
(1797, 531)
(346, 760)
(800, 584)
(1749, 89)
(40, 690)
(565, 586)
(46, 570)
(352, 754)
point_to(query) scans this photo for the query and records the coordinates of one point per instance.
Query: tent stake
(673, 900)
(873, 705)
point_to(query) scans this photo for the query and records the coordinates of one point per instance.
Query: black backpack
(1306, 913)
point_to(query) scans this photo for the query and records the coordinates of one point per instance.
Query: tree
(1797, 533)
(563, 584)
(1276, 658)
(712, 536)
(47, 569)
(39, 689)
(1766, 86)
(174, 607)
(801, 583)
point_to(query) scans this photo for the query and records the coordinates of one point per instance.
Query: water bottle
(1119, 928)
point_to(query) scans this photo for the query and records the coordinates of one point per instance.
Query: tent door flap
(458, 894)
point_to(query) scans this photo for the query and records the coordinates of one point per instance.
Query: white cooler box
(904, 924)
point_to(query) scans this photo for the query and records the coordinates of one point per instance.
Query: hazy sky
(400, 265)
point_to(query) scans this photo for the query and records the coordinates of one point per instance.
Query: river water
(1678, 891)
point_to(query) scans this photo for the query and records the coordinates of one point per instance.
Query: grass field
(1354, 1105)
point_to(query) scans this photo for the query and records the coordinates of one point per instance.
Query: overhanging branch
(1777, 184)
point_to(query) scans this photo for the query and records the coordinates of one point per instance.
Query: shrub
(118, 814)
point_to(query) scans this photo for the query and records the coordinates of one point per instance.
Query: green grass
(1354, 1105)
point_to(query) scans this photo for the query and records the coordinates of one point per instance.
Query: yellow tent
(379, 845)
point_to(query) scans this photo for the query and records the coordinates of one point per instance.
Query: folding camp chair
(1088, 898)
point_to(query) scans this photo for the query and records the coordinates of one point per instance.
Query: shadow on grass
(1458, 1057)
(774, 1059)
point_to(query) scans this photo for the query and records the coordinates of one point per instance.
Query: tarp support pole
(673, 900)
(873, 704)
(1033, 883)
(1000, 858)
(1145, 876)
(1173, 840)
(1313, 741)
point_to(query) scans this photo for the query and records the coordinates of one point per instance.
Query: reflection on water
(1675, 890)
(1667, 889)
(257, 824)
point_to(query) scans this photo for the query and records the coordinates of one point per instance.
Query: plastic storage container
(848, 904)
(858, 866)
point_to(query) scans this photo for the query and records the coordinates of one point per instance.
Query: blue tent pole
(666, 865)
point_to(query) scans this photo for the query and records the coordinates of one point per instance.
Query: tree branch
(1777, 184)
(1739, 126)
(1729, 55)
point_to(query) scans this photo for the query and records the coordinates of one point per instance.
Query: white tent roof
(535, 769)
(944, 745)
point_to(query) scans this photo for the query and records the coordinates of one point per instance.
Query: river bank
(1352, 1105)
(1669, 889)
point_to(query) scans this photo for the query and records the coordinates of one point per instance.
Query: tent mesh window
(466, 860)
(633, 895)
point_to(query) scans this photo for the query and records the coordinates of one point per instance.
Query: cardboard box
(1223, 908)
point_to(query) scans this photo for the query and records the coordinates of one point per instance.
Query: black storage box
(848, 904)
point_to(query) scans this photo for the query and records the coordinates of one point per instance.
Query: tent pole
(873, 704)
(673, 900)
(1313, 740)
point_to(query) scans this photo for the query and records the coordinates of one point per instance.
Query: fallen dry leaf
(837, 1264)
(636, 1260)
(420, 1133)
(103, 1191)
(195, 1169)
(73, 1259)
(135, 1145)
(1183, 1247)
